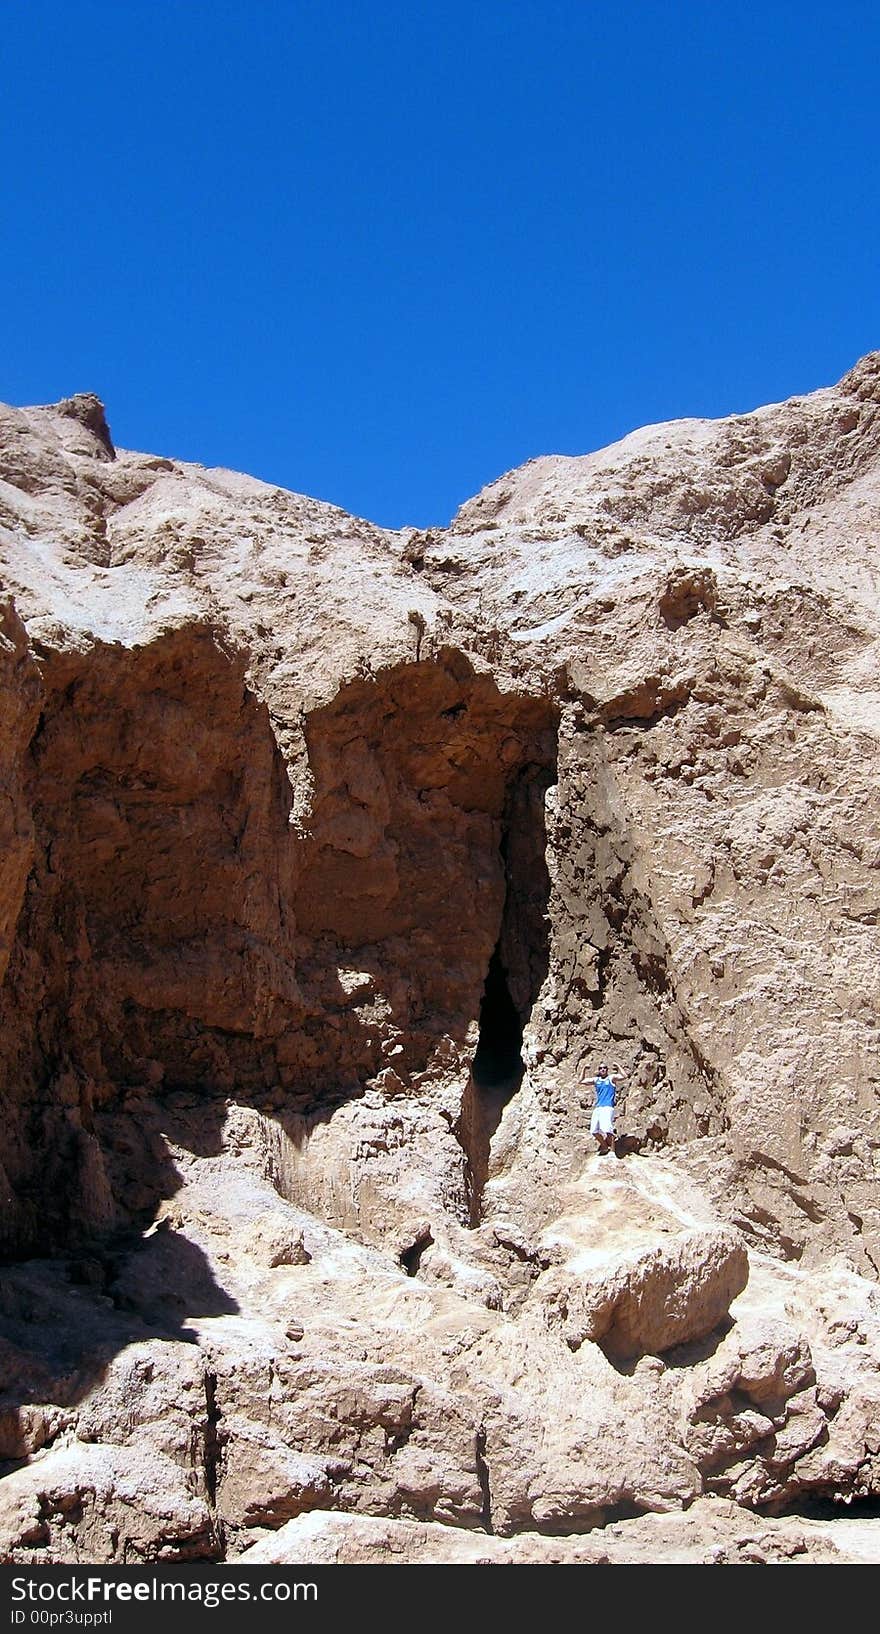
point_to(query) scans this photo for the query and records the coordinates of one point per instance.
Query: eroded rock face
(332, 859)
(179, 928)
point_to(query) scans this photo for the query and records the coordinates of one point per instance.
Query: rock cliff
(334, 859)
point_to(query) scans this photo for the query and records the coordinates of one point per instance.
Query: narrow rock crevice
(211, 1447)
(516, 972)
(496, 1075)
(484, 1480)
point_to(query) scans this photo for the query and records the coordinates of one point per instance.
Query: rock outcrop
(333, 860)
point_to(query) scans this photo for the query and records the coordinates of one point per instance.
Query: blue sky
(382, 251)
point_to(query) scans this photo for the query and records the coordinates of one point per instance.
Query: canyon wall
(335, 860)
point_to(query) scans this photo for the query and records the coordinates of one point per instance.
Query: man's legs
(602, 1130)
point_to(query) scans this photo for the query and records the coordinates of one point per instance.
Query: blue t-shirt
(604, 1092)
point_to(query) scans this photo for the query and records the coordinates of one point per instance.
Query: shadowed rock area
(334, 861)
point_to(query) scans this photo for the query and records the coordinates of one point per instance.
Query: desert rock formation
(333, 859)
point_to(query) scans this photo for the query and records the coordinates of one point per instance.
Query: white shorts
(602, 1121)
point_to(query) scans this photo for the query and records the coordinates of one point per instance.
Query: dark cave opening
(496, 1074)
(411, 1258)
(498, 1063)
(515, 973)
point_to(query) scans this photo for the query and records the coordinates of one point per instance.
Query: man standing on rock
(602, 1121)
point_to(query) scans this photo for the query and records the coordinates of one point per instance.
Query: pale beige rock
(93, 1504)
(648, 1301)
